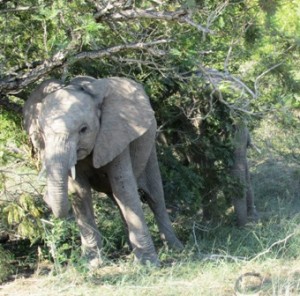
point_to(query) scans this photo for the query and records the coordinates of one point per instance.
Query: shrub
(5, 266)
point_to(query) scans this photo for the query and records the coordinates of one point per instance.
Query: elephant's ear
(126, 114)
(32, 108)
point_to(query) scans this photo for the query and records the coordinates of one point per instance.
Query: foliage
(20, 208)
(62, 241)
(5, 266)
(111, 225)
(23, 217)
(204, 64)
(10, 138)
(181, 184)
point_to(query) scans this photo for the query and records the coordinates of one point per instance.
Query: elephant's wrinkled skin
(240, 194)
(106, 129)
(243, 197)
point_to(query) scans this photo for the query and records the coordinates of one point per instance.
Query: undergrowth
(5, 266)
(217, 258)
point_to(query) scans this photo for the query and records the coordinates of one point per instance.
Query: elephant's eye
(83, 129)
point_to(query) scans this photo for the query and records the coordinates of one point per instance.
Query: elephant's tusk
(73, 172)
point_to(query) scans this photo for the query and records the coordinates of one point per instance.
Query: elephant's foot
(146, 258)
(173, 242)
(242, 221)
(253, 215)
(176, 245)
(167, 235)
(92, 256)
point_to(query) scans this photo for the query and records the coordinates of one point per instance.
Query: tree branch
(109, 51)
(18, 9)
(181, 16)
(282, 241)
(136, 13)
(14, 83)
(256, 83)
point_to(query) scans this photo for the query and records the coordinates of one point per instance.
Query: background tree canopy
(205, 65)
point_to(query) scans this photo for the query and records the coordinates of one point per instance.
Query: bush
(5, 264)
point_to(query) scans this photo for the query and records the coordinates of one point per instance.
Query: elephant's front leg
(125, 192)
(83, 209)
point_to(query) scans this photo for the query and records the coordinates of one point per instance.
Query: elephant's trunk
(59, 158)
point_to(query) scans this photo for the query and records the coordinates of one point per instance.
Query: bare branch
(18, 9)
(216, 78)
(282, 241)
(197, 26)
(216, 13)
(14, 83)
(181, 16)
(109, 51)
(233, 107)
(136, 13)
(218, 257)
(195, 238)
(263, 74)
(226, 62)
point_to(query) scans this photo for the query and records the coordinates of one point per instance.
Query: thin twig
(263, 74)
(219, 256)
(195, 238)
(284, 241)
(18, 9)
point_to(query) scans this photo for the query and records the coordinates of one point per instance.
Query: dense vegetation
(206, 65)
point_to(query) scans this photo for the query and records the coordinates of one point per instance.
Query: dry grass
(269, 277)
(261, 259)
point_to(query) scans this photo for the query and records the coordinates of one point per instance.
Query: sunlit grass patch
(186, 277)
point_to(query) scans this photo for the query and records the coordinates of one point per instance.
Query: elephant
(99, 134)
(239, 192)
(243, 197)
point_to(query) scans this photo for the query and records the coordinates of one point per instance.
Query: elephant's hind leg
(253, 214)
(150, 182)
(239, 195)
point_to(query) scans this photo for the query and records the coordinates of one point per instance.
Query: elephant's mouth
(82, 153)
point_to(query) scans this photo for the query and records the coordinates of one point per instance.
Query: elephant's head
(89, 116)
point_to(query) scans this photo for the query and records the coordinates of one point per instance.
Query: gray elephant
(243, 197)
(239, 193)
(104, 130)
